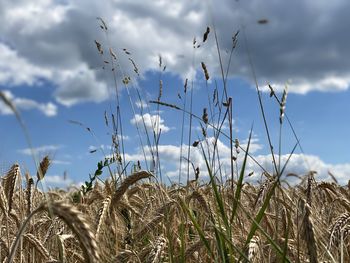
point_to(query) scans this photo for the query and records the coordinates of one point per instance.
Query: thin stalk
(260, 101)
(240, 180)
(121, 134)
(158, 158)
(182, 131)
(119, 119)
(231, 141)
(190, 133)
(219, 55)
(157, 130)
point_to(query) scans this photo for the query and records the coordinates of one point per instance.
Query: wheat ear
(308, 233)
(30, 183)
(75, 221)
(158, 250)
(102, 215)
(10, 184)
(253, 249)
(339, 225)
(125, 185)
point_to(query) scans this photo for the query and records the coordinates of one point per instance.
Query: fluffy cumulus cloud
(303, 42)
(49, 109)
(48, 40)
(299, 164)
(17, 70)
(151, 122)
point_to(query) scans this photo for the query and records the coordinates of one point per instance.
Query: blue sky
(52, 72)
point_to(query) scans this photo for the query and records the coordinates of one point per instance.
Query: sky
(56, 78)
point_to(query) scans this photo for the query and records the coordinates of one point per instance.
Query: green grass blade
(285, 246)
(228, 241)
(261, 213)
(290, 155)
(220, 245)
(182, 245)
(240, 180)
(256, 225)
(198, 228)
(217, 194)
(262, 210)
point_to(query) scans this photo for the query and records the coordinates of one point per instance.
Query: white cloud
(101, 147)
(93, 148)
(152, 122)
(61, 162)
(49, 109)
(104, 147)
(32, 16)
(16, 70)
(44, 149)
(141, 104)
(254, 145)
(78, 85)
(303, 86)
(299, 164)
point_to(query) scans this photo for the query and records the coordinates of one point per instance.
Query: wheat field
(139, 220)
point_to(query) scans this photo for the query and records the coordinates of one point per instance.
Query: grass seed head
(205, 70)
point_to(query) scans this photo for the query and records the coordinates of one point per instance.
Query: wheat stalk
(39, 247)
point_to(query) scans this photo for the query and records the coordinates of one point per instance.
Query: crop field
(142, 221)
